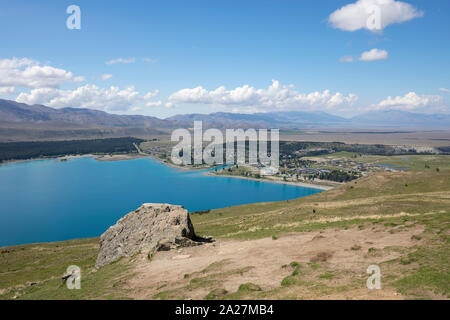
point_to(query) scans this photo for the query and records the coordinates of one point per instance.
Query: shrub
(216, 294)
(288, 281)
(249, 287)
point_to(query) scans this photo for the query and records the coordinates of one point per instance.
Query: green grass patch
(216, 294)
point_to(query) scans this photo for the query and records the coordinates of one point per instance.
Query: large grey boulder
(152, 227)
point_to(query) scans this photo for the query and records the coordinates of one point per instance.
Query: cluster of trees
(372, 149)
(445, 150)
(338, 176)
(40, 149)
(288, 147)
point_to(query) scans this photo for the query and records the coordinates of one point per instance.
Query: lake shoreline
(209, 173)
(174, 166)
(290, 183)
(102, 158)
(133, 156)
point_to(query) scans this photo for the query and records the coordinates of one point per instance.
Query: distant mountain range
(22, 121)
(11, 111)
(298, 120)
(295, 119)
(19, 122)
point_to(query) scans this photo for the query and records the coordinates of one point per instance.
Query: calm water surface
(50, 200)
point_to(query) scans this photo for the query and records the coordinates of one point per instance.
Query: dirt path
(230, 263)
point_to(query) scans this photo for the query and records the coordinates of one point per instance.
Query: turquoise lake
(50, 200)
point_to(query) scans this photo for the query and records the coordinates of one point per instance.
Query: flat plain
(428, 138)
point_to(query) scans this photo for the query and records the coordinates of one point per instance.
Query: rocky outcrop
(152, 227)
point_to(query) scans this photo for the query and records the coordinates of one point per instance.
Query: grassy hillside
(34, 271)
(384, 202)
(383, 194)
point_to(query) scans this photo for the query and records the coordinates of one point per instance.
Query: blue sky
(180, 52)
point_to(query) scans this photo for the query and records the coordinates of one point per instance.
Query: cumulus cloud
(158, 103)
(45, 81)
(373, 55)
(111, 99)
(275, 97)
(151, 94)
(412, 102)
(445, 90)
(24, 72)
(373, 15)
(121, 60)
(106, 76)
(6, 90)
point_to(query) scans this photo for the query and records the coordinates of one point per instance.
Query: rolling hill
(11, 111)
(20, 121)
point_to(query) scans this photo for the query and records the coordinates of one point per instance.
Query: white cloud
(373, 55)
(159, 103)
(121, 60)
(150, 94)
(45, 81)
(445, 90)
(15, 63)
(6, 90)
(275, 97)
(373, 15)
(346, 59)
(106, 76)
(154, 104)
(25, 72)
(412, 102)
(112, 99)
